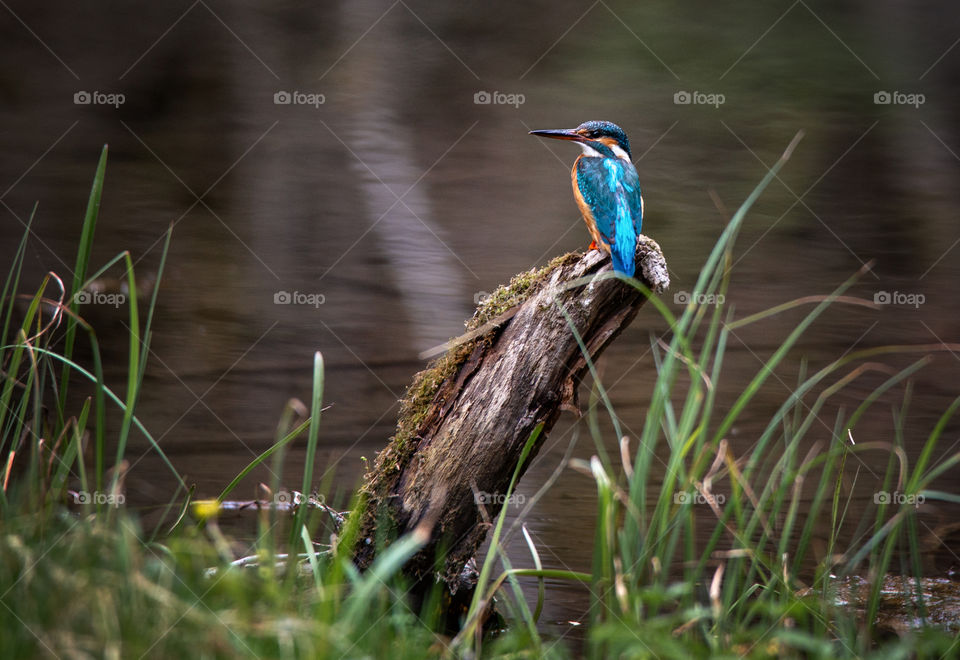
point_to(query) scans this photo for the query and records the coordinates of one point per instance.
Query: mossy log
(466, 419)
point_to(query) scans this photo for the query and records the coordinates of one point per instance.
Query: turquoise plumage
(607, 189)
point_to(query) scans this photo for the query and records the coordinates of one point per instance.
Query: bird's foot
(593, 245)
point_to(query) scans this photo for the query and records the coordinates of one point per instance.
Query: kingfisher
(607, 189)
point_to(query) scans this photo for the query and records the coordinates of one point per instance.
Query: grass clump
(92, 588)
(754, 587)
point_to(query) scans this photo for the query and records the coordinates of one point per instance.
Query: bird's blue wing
(611, 189)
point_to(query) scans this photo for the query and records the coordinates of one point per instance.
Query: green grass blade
(277, 446)
(316, 407)
(133, 368)
(83, 259)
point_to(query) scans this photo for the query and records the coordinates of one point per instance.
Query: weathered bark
(465, 420)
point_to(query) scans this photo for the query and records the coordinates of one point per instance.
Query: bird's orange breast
(585, 211)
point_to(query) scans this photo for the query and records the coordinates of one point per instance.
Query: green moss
(520, 288)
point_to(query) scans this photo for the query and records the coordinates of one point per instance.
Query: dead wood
(467, 418)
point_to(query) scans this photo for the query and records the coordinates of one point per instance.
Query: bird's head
(596, 138)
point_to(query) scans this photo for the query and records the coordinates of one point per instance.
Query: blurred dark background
(389, 199)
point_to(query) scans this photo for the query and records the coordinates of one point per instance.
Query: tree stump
(465, 420)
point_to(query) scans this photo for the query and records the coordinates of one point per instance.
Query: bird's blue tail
(623, 251)
(624, 264)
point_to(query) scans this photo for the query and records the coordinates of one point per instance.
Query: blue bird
(607, 189)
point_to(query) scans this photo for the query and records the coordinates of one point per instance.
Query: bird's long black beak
(559, 134)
